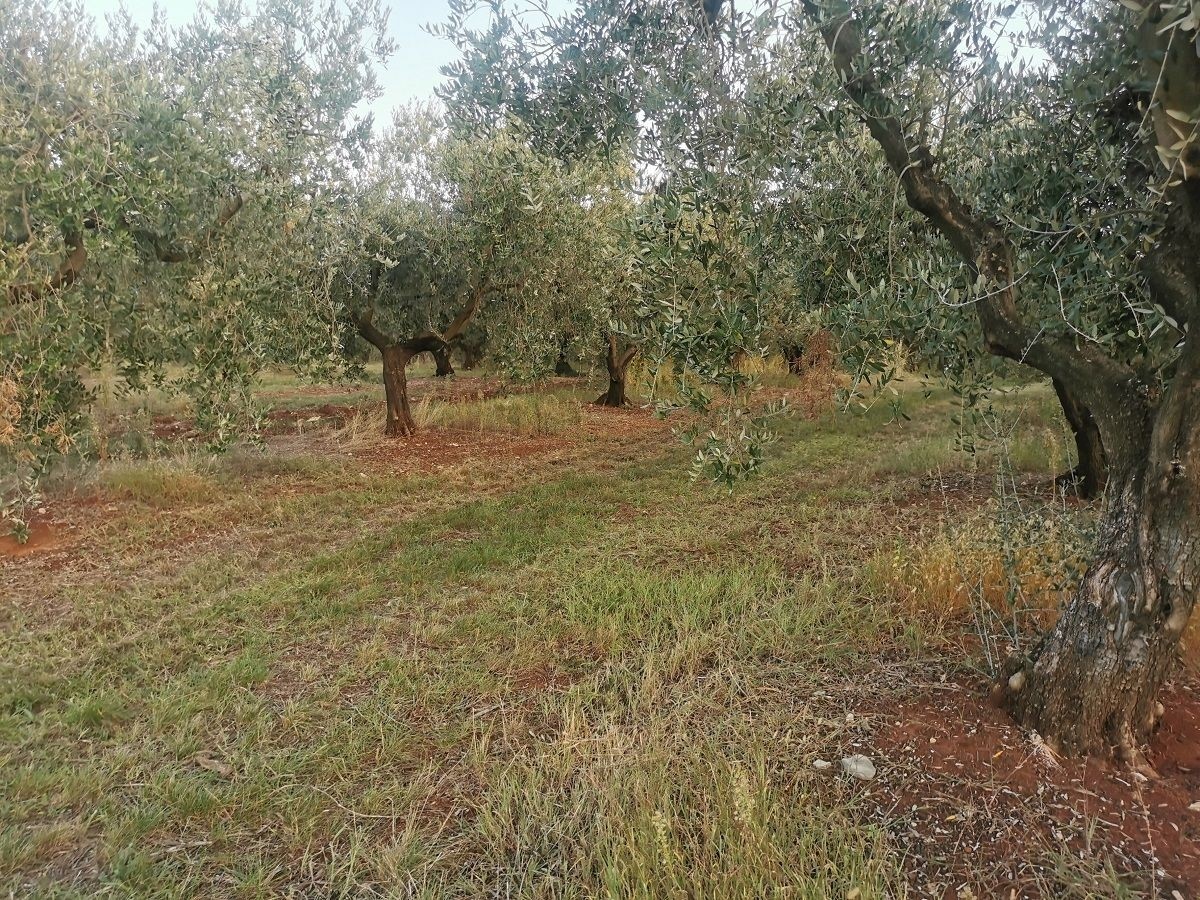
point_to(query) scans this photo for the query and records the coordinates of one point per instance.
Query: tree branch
(66, 274)
(1108, 387)
(455, 328)
(167, 252)
(365, 319)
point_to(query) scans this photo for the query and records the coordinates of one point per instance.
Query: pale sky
(411, 73)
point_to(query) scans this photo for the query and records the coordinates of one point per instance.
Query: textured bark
(395, 385)
(441, 358)
(615, 395)
(617, 363)
(1091, 684)
(1091, 469)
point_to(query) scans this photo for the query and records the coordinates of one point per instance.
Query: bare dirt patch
(433, 450)
(968, 795)
(44, 535)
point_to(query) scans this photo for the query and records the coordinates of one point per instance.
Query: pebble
(859, 766)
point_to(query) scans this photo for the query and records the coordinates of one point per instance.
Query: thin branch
(66, 274)
(167, 252)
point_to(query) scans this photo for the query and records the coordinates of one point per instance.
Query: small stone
(854, 894)
(822, 764)
(1194, 807)
(858, 766)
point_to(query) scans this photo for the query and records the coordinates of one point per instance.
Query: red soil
(969, 792)
(43, 535)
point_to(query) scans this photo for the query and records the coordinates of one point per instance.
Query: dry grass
(181, 480)
(812, 390)
(362, 430)
(1007, 572)
(520, 414)
(523, 680)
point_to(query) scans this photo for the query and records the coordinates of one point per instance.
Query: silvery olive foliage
(1036, 111)
(452, 226)
(660, 84)
(160, 191)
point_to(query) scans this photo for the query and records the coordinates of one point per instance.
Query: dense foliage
(993, 188)
(160, 188)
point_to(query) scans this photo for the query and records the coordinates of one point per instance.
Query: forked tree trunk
(395, 385)
(618, 367)
(1092, 684)
(441, 358)
(1091, 469)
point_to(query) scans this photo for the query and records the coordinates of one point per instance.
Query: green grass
(521, 681)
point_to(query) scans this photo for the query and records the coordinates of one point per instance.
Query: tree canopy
(160, 189)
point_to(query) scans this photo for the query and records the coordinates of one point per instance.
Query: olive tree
(450, 230)
(159, 189)
(1080, 254)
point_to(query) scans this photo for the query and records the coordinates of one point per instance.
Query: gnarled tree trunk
(441, 358)
(1091, 685)
(395, 385)
(1091, 469)
(617, 363)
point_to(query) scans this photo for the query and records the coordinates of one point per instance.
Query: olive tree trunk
(1092, 683)
(1091, 468)
(617, 363)
(441, 358)
(395, 385)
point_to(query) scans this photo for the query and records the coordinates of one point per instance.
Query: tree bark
(441, 358)
(395, 386)
(1091, 684)
(617, 363)
(1091, 469)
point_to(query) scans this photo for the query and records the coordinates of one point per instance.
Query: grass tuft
(520, 414)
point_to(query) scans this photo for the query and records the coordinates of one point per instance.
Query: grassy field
(518, 655)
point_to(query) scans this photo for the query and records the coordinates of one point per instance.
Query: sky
(411, 74)
(413, 71)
